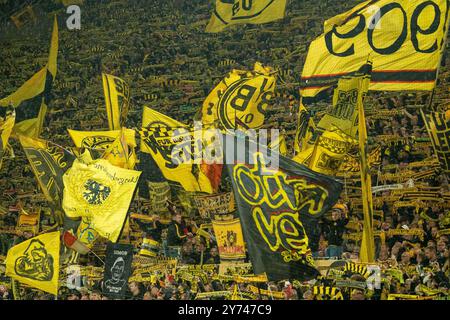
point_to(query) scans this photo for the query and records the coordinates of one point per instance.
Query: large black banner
(279, 208)
(117, 269)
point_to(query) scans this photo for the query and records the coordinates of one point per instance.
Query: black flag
(117, 269)
(279, 206)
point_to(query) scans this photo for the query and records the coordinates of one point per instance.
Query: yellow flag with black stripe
(117, 100)
(305, 130)
(344, 113)
(230, 12)
(405, 40)
(99, 191)
(171, 144)
(35, 262)
(32, 98)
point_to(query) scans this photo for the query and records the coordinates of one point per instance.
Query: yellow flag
(6, 126)
(32, 127)
(230, 240)
(103, 140)
(344, 113)
(279, 144)
(35, 262)
(30, 89)
(170, 143)
(240, 100)
(117, 100)
(229, 12)
(101, 192)
(405, 40)
(118, 154)
(329, 152)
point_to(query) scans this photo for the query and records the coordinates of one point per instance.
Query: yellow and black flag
(6, 127)
(102, 141)
(438, 127)
(344, 113)
(240, 100)
(174, 148)
(101, 192)
(230, 240)
(229, 12)
(119, 154)
(405, 40)
(32, 98)
(35, 262)
(49, 162)
(278, 209)
(102, 187)
(117, 100)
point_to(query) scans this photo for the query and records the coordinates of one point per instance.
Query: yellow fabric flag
(35, 262)
(240, 100)
(230, 240)
(33, 94)
(170, 142)
(30, 89)
(279, 144)
(229, 12)
(344, 113)
(367, 251)
(6, 127)
(32, 127)
(329, 152)
(118, 153)
(103, 140)
(405, 40)
(117, 100)
(101, 192)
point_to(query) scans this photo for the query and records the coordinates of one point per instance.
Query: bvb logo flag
(160, 135)
(49, 162)
(35, 262)
(278, 210)
(117, 269)
(117, 99)
(6, 127)
(229, 12)
(404, 38)
(101, 192)
(32, 98)
(240, 100)
(230, 240)
(438, 127)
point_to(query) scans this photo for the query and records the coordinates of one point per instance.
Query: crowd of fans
(146, 41)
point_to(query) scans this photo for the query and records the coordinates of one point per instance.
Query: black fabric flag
(117, 269)
(279, 206)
